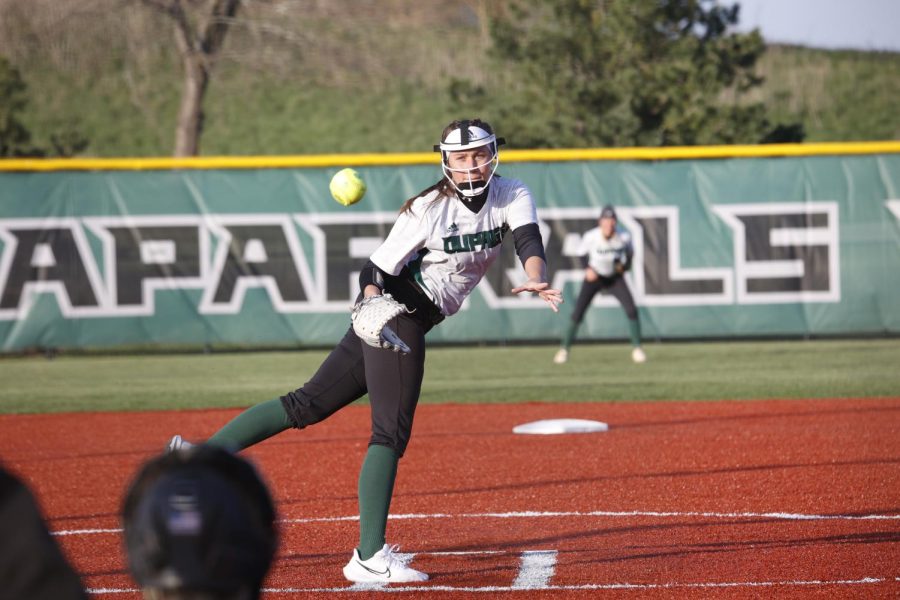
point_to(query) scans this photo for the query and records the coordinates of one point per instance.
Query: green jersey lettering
(470, 242)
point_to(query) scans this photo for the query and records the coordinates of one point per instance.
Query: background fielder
(606, 254)
(444, 240)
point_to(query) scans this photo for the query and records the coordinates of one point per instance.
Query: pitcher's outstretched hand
(541, 288)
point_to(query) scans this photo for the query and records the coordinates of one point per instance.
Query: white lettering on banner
(158, 252)
(787, 252)
(43, 256)
(309, 263)
(27, 271)
(284, 273)
(339, 242)
(894, 207)
(665, 281)
(133, 274)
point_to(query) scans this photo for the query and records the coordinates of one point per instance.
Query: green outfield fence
(731, 241)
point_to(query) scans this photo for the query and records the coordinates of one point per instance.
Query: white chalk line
(535, 570)
(465, 552)
(587, 586)
(561, 514)
(85, 531)
(606, 513)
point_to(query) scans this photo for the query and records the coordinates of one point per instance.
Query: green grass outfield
(595, 372)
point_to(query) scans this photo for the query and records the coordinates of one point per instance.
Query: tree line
(558, 73)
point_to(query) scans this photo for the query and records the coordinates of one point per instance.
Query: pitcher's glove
(370, 316)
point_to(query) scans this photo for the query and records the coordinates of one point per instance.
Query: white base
(555, 426)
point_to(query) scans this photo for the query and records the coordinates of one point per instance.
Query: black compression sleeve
(528, 242)
(370, 274)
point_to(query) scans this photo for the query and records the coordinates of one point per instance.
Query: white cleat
(638, 356)
(178, 443)
(386, 566)
(562, 355)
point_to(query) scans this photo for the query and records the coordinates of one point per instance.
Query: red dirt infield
(794, 499)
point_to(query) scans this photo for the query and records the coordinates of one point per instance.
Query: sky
(856, 24)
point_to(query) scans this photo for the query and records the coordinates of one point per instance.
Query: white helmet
(468, 135)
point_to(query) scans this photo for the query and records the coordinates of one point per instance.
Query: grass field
(595, 373)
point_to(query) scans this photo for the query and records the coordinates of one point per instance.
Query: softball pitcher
(440, 247)
(607, 252)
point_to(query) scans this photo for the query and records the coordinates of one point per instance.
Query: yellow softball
(347, 187)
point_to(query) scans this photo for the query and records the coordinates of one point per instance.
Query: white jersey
(602, 252)
(448, 247)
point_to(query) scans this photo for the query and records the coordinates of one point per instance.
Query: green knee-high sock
(252, 426)
(570, 335)
(634, 331)
(376, 486)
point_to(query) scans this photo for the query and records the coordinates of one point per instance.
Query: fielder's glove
(370, 316)
(619, 267)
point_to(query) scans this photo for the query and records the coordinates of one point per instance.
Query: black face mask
(471, 185)
(474, 203)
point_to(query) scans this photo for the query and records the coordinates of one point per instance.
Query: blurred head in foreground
(31, 563)
(199, 525)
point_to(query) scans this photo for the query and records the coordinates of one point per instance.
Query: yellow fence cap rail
(422, 158)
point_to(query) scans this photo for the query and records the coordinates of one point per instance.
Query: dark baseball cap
(199, 519)
(608, 212)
